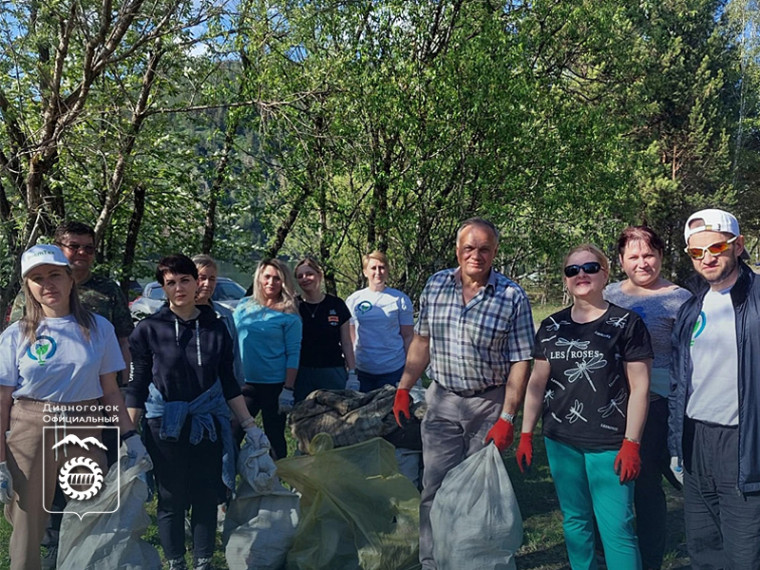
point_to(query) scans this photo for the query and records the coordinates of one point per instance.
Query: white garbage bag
(108, 541)
(475, 518)
(261, 520)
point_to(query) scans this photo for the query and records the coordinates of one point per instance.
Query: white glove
(134, 449)
(260, 471)
(286, 401)
(353, 381)
(257, 437)
(6, 484)
(677, 469)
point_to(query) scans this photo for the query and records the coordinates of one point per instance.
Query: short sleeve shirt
(472, 345)
(586, 397)
(378, 317)
(62, 365)
(321, 344)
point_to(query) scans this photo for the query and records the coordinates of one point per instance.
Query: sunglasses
(714, 248)
(88, 249)
(590, 267)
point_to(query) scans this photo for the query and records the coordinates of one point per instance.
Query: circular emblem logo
(363, 307)
(42, 350)
(81, 478)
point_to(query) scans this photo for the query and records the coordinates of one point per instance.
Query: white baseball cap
(713, 220)
(42, 255)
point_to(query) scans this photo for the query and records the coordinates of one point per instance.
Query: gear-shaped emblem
(81, 486)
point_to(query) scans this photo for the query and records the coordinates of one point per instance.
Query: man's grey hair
(483, 223)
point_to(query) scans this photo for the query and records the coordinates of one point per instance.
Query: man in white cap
(715, 397)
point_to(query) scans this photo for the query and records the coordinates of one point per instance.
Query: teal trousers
(587, 487)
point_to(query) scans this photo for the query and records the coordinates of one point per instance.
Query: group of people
(199, 375)
(631, 374)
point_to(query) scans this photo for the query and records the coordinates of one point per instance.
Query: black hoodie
(182, 358)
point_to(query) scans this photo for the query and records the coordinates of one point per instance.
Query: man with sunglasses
(715, 397)
(99, 295)
(475, 331)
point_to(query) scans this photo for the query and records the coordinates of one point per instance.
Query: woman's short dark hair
(178, 264)
(640, 233)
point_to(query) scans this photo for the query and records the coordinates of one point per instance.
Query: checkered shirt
(472, 347)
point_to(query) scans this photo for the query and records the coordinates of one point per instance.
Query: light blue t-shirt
(62, 365)
(659, 312)
(269, 341)
(378, 317)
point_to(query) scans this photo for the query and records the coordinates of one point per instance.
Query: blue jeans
(369, 382)
(588, 486)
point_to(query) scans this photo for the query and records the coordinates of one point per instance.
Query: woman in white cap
(59, 356)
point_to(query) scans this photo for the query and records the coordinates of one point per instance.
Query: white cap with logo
(44, 254)
(712, 220)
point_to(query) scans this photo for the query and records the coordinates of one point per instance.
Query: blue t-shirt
(62, 365)
(378, 317)
(269, 341)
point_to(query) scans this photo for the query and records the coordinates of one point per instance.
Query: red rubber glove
(524, 453)
(628, 461)
(401, 406)
(502, 434)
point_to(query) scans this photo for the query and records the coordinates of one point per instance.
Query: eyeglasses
(590, 267)
(715, 249)
(88, 249)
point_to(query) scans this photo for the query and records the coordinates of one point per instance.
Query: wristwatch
(507, 417)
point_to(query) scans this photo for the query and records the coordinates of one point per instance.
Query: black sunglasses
(589, 267)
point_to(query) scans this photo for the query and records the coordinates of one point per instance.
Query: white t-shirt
(62, 365)
(378, 316)
(714, 390)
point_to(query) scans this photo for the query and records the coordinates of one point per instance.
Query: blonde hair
(313, 264)
(593, 250)
(34, 314)
(287, 302)
(377, 254)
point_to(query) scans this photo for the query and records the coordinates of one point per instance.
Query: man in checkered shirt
(474, 336)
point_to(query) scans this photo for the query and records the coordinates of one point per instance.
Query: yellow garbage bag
(357, 511)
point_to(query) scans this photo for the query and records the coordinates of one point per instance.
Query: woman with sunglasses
(59, 356)
(269, 336)
(590, 386)
(657, 301)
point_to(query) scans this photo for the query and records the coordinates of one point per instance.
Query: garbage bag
(108, 541)
(352, 417)
(357, 510)
(475, 518)
(261, 520)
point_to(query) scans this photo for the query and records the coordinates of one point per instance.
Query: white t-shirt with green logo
(714, 390)
(62, 365)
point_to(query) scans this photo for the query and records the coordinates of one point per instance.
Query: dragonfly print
(614, 405)
(570, 344)
(575, 413)
(555, 325)
(618, 322)
(557, 382)
(548, 395)
(555, 418)
(584, 368)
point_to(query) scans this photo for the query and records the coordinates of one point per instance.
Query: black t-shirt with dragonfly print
(586, 397)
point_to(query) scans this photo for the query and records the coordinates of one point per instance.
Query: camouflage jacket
(99, 295)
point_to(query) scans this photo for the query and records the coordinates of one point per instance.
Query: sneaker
(178, 563)
(202, 564)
